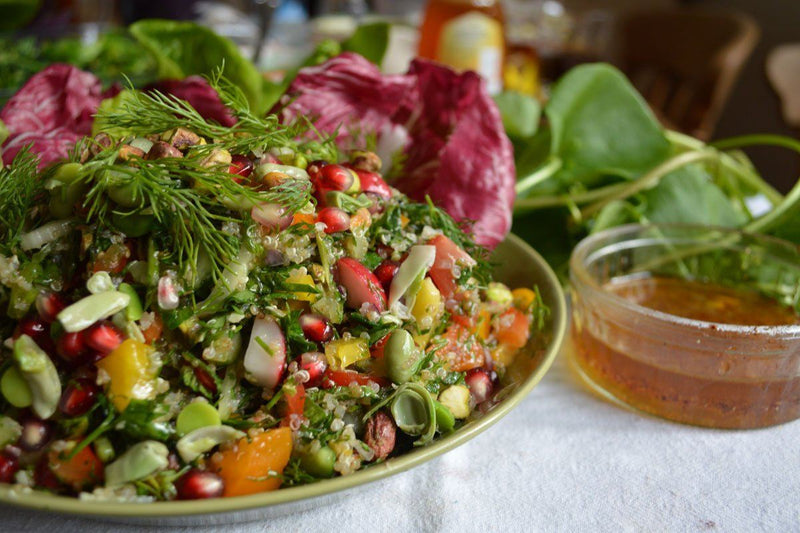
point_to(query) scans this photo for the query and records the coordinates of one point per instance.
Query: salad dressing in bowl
(668, 321)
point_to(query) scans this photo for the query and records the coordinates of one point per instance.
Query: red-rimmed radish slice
(360, 285)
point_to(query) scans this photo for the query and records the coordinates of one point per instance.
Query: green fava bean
(141, 460)
(414, 412)
(319, 463)
(40, 374)
(401, 356)
(195, 416)
(134, 311)
(134, 224)
(201, 440)
(10, 430)
(445, 421)
(15, 389)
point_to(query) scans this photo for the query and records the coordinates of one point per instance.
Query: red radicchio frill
(200, 96)
(52, 111)
(457, 151)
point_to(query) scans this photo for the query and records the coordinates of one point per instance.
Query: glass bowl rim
(578, 272)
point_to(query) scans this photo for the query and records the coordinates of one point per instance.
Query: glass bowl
(692, 371)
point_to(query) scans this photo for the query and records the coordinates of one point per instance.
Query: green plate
(516, 264)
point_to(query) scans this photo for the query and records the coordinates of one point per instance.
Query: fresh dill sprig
(187, 199)
(155, 112)
(20, 186)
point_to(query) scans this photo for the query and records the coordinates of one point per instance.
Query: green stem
(542, 174)
(649, 179)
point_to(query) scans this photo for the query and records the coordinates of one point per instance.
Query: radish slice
(271, 216)
(360, 285)
(265, 358)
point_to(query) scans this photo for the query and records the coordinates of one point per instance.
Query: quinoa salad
(191, 310)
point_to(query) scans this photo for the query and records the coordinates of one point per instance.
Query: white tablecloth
(561, 461)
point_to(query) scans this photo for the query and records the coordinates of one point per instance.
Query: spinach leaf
(688, 196)
(520, 113)
(185, 48)
(370, 41)
(601, 126)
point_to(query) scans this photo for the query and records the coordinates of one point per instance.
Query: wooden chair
(685, 62)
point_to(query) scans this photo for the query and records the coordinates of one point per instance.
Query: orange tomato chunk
(463, 351)
(248, 466)
(513, 328)
(82, 471)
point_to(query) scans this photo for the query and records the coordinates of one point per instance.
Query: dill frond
(20, 187)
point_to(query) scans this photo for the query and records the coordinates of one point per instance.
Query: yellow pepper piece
(342, 353)
(523, 298)
(298, 278)
(427, 310)
(504, 355)
(130, 372)
(483, 324)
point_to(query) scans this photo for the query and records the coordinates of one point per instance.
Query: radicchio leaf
(200, 96)
(457, 151)
(51, 112)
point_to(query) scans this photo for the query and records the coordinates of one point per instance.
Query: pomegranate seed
(241, 167)
(480, 384)
(335, 178)
(78, 397)
(43, 476)
(72, 346)
(314, 169)
(35, 434)
(34, 327)
(9, 465)
(315, 364)
(384, 250)
(316, 327)
(104, 337)
(385, 272)
(335, 219)
(205, 379)
(372, 182)
(49, 304)
(271, 216)
(199, 484)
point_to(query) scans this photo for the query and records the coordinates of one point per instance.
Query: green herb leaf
(369, 40)
(520, 113)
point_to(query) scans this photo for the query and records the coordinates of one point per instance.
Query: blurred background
(710, 68)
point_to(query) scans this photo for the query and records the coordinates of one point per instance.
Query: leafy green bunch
(596, 157)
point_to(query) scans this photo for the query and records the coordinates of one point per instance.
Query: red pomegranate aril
(376, 350)
(316, 327)
(78, 397)
(205, 379)
(43, 476)
(315, 167)
(335, 219)
(9, 466)
(199, 484)
(315, 364)
(49, 304)
(480, 385)
(372, 182)
(104, 337)
(241, 167)
(335, 178)
(34, 327)
(35, 434)
(72, 346)
(385, 273)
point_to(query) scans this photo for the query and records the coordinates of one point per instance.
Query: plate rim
(30, 499)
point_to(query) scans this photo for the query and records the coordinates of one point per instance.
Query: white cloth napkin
(563, 460)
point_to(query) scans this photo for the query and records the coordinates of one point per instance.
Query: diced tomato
(82, 471)
(344, 378)
(153, 332)
(512, 328)
(303, 218)
(449, 258)
(463, 351)
(376, 350)
(113, 259)
(296, 402)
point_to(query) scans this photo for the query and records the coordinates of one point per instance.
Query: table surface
(563, 460)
